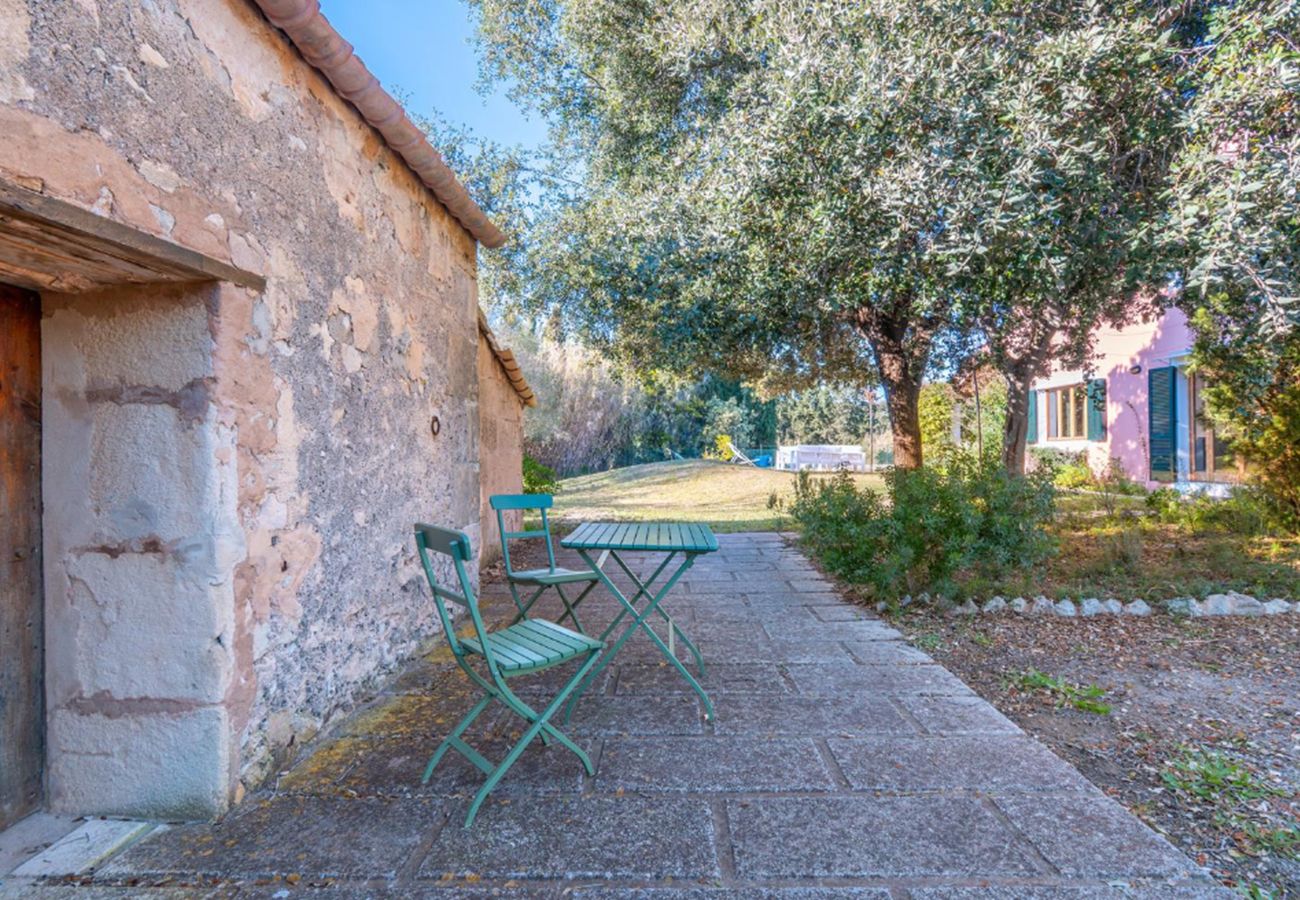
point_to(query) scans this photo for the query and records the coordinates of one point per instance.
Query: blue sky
(422, 49)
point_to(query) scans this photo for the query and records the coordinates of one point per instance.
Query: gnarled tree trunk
(901, 348)
(1015, 432)
(903, 400)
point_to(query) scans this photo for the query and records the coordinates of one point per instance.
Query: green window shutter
(1033, 418)
(1162, 416)
(1097, 409)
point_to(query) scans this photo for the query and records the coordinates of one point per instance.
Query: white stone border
(1228, 604)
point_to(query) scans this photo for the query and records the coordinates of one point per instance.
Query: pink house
(1137, 405)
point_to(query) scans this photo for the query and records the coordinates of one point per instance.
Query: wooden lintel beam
(135, 248)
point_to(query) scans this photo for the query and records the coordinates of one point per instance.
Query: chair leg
(570, 608)
(453, 740)
(549, 731)
(539, 723)
(524, 606)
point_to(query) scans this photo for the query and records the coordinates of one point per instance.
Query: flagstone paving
(842, 763)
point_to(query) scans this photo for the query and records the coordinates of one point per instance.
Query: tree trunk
(902, 399)
(1016, 431)
(901, 347)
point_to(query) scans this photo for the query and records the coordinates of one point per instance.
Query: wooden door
(22, 666)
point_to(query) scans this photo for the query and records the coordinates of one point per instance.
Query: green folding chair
(552, 576)
(521, 649)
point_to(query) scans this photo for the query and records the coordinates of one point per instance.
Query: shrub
(1245, 511)
(1073, 476)
(1121, 551)
(1052, 458)
(539, 479)
(722, 449)
(929, 525)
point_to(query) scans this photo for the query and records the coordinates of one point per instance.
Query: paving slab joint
(1026, 842)
(723, 846)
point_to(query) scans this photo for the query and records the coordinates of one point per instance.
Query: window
(1067, 413)
(1211, 457)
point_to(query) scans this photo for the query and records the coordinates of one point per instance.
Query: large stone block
(145, 626)
(152, 474)
(135, 335)
(156, 765)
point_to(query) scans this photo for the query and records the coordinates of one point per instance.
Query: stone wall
(501, 443)
(231, 477)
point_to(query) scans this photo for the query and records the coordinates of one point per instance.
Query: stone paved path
(842, 762)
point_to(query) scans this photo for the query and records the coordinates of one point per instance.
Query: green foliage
(1085, 698)
(751, 200)
(1073, 476)
(1254, 396)
(935, 411)
(928, 526)
(1245, 511)
(1233, 229)
(1243, 804)
(1071, 471)
(539, 479)
(941, 403)
(748, 199)
(1068, 469)
(1233, 220)
(723, 448)
(826, 414)
(726, 425)
(592, 416)
(1212, 777)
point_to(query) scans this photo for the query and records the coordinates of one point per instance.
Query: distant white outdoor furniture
(821, 457)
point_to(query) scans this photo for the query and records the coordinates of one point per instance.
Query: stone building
(503, 394)
(240, 354)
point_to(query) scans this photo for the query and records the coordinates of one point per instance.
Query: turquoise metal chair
(523, 648)
(552, 576)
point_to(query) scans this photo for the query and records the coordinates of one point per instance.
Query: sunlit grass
(727, 497)
(1132, 554)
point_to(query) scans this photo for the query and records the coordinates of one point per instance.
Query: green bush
(1052, 458)
(539, 479)
(1069, 469)
(929, 525)
(1074, 476)
(1245, 511)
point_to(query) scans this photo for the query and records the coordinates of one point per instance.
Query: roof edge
(514, 374)
(327, 51)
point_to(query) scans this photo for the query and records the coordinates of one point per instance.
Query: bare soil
(1177, 689)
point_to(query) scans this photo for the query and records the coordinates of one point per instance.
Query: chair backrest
(455, 544)
(504, 503)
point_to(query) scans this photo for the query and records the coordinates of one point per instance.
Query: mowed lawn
(726, 496)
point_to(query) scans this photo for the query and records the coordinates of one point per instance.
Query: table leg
(639, 622)
(629, 604)
(645, 589)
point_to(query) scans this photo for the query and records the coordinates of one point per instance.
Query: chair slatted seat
(532, 644)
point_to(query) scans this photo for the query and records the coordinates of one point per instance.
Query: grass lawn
(728, 497)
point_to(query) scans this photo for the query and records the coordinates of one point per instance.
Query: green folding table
(682, 543)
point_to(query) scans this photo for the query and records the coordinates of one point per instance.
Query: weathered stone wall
(233, 561)
(501, 439)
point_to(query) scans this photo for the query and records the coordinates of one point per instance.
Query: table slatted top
(654, 536)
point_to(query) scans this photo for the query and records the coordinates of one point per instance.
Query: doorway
(22, 667)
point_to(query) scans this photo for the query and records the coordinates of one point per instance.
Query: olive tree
(770, 188)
